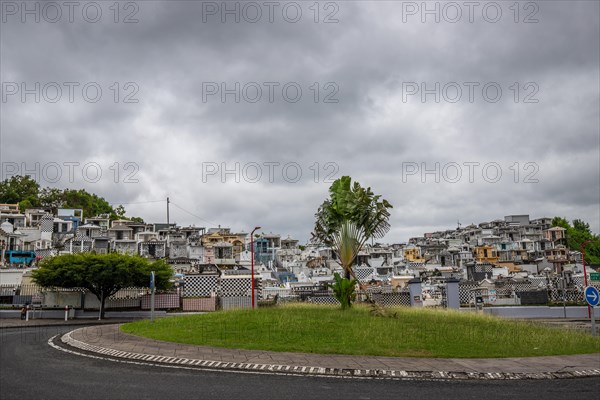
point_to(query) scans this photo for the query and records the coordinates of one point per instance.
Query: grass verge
(328, 330)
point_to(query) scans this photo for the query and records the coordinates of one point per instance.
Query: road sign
(591, 296)
(595, 276)
(152, 280)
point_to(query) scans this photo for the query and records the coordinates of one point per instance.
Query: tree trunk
(101, 298)
(103, 310)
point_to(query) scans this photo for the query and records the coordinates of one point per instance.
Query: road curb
(46, 325)
(68, 342)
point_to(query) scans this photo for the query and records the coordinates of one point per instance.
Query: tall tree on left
(101, 274)
(20, 190)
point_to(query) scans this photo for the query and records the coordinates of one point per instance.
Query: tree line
(27, 193)
(577, 233)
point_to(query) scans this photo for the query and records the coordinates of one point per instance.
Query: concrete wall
(38, 314)
(91, 302)
(199, 303)
(161, 301)
(11, 276)
(228, 303)
(507, 301)
(62, 299)
(272, 291)
(539, 312)
(22, 299)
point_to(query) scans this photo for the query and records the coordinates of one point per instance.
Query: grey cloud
(370, 133)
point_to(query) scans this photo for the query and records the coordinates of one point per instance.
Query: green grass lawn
(329, 330)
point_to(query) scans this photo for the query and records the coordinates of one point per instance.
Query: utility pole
(168, 212)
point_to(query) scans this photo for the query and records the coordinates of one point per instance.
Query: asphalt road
(31, 369)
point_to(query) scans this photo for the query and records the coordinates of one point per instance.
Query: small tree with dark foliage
(101, 274)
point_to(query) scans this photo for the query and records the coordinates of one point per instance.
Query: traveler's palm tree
(351, 216)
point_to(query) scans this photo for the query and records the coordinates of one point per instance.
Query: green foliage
(20, 189)
(25, 204)
(91, 204)
(347, 242)
(577, 234)
(120, 211)
(351, 202)
(28, 194)
(582, 226)
(51, 198)
(561, 222)
(351, 216)
(102, 274)
(344, 290)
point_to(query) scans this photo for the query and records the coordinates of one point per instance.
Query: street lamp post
(252, 261)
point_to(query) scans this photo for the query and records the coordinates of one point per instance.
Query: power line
(176, 205)
(139, 202)
(193, 215)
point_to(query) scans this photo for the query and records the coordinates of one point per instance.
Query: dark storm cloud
(372, 132)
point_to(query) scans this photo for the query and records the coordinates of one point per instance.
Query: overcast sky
(504, 100)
